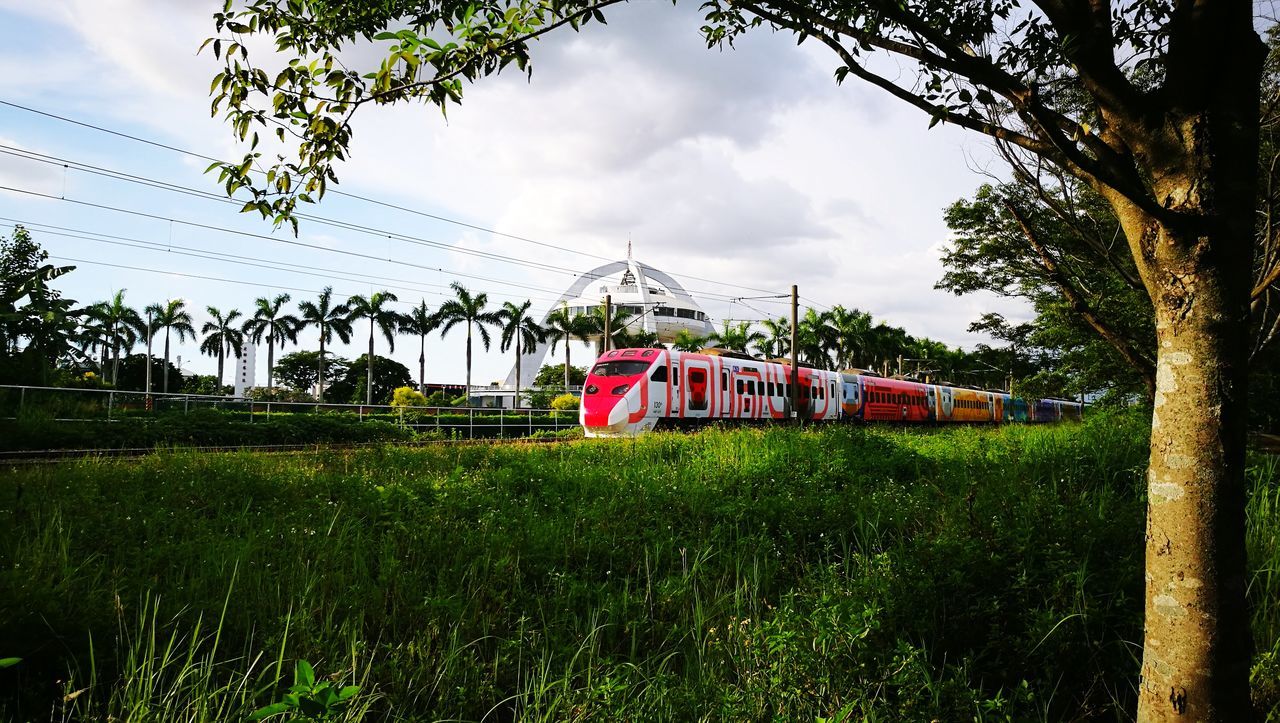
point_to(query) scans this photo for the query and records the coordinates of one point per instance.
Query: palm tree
(374, 308)
(777, 339)
(564, 326)
(617, 327)
(467, 309)
(688, 341)
(851, 330)
(221, 336)
(269, 323)
(521, 331)
(124, 328)
(329, 319)
(173, 316)
(421, 322)
(815, 338)
(736, 338)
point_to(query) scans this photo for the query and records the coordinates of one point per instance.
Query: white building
(244, 369)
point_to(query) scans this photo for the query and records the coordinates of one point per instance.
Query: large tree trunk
(1197, 639)
(1194, 255)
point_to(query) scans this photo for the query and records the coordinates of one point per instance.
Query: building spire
(628, 247)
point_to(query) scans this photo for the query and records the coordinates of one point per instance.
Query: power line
(248, 234)
(210, 196)
(246, 260)
(358, 197)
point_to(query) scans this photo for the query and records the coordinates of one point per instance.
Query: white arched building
(656, 302)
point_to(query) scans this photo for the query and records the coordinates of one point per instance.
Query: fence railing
(67, 404)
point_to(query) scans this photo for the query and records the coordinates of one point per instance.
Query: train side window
(659, 374)
(724, 380)
(739, 386)
(769, 386)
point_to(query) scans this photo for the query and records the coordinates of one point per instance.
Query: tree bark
(320, 370)
(468, 391)
(221, 354)
(422, 364)
(271, 362)
(1197, 640)
(165, 371)
(515, 404)
(368, 397)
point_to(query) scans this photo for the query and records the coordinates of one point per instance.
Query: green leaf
(385, 35)
(304, 673)
(10, 662)
(268, 711)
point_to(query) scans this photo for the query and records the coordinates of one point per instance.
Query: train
(632, 391)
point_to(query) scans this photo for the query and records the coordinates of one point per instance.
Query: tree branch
(1140, 363)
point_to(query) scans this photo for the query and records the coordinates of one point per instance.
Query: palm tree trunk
(221, 355)
(516, 404)
(320, 369)
(566, 365)
(271, 363)
(468, 364)
(165, 371)
(422, 365)
(369, 379)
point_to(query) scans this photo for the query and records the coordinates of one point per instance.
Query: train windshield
(620, 368)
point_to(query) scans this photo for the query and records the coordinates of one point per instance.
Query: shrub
(407, 397)
(565, 402)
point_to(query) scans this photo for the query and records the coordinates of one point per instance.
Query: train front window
(620, 368)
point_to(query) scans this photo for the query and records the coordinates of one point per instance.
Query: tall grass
(730, 575)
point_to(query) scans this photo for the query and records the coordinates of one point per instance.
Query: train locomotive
(632, 391)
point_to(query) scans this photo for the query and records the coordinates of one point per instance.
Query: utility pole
(608, 321)
(795, 352)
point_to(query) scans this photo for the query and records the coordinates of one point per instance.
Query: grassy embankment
(221, 428)
(730, 575)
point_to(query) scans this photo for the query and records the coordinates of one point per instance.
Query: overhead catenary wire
(444, 219)
(270, 264)
(378, 233)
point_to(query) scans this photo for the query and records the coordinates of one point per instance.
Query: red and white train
(630, 391)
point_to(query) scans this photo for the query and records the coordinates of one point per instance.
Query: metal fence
(64, 404)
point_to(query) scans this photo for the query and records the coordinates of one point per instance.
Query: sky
(738, 172)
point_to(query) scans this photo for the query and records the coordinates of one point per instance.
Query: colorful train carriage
(630, 391)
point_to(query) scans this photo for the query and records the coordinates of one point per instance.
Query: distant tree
(467, 309)
(375, 308)
(850, 332)
(133, 373)
(171, 316)
(221, 336)
(421, 323)
(330, 320)
(553, 375)
(736, 337)
(298, 370)
(686, 340)
(777, 340)
(353, 387)
(520, 332)
(564, 326)
(271, 323)
(124, 327)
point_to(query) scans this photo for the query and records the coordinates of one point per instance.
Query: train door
(697, 388)
(945, 403)
(659, 379)
(931, 402)
(726, 390)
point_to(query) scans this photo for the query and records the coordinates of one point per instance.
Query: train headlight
(592, 389)
(620, 389)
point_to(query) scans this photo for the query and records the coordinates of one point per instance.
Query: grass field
(729, 575)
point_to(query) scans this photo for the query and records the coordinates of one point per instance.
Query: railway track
(19, 458)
